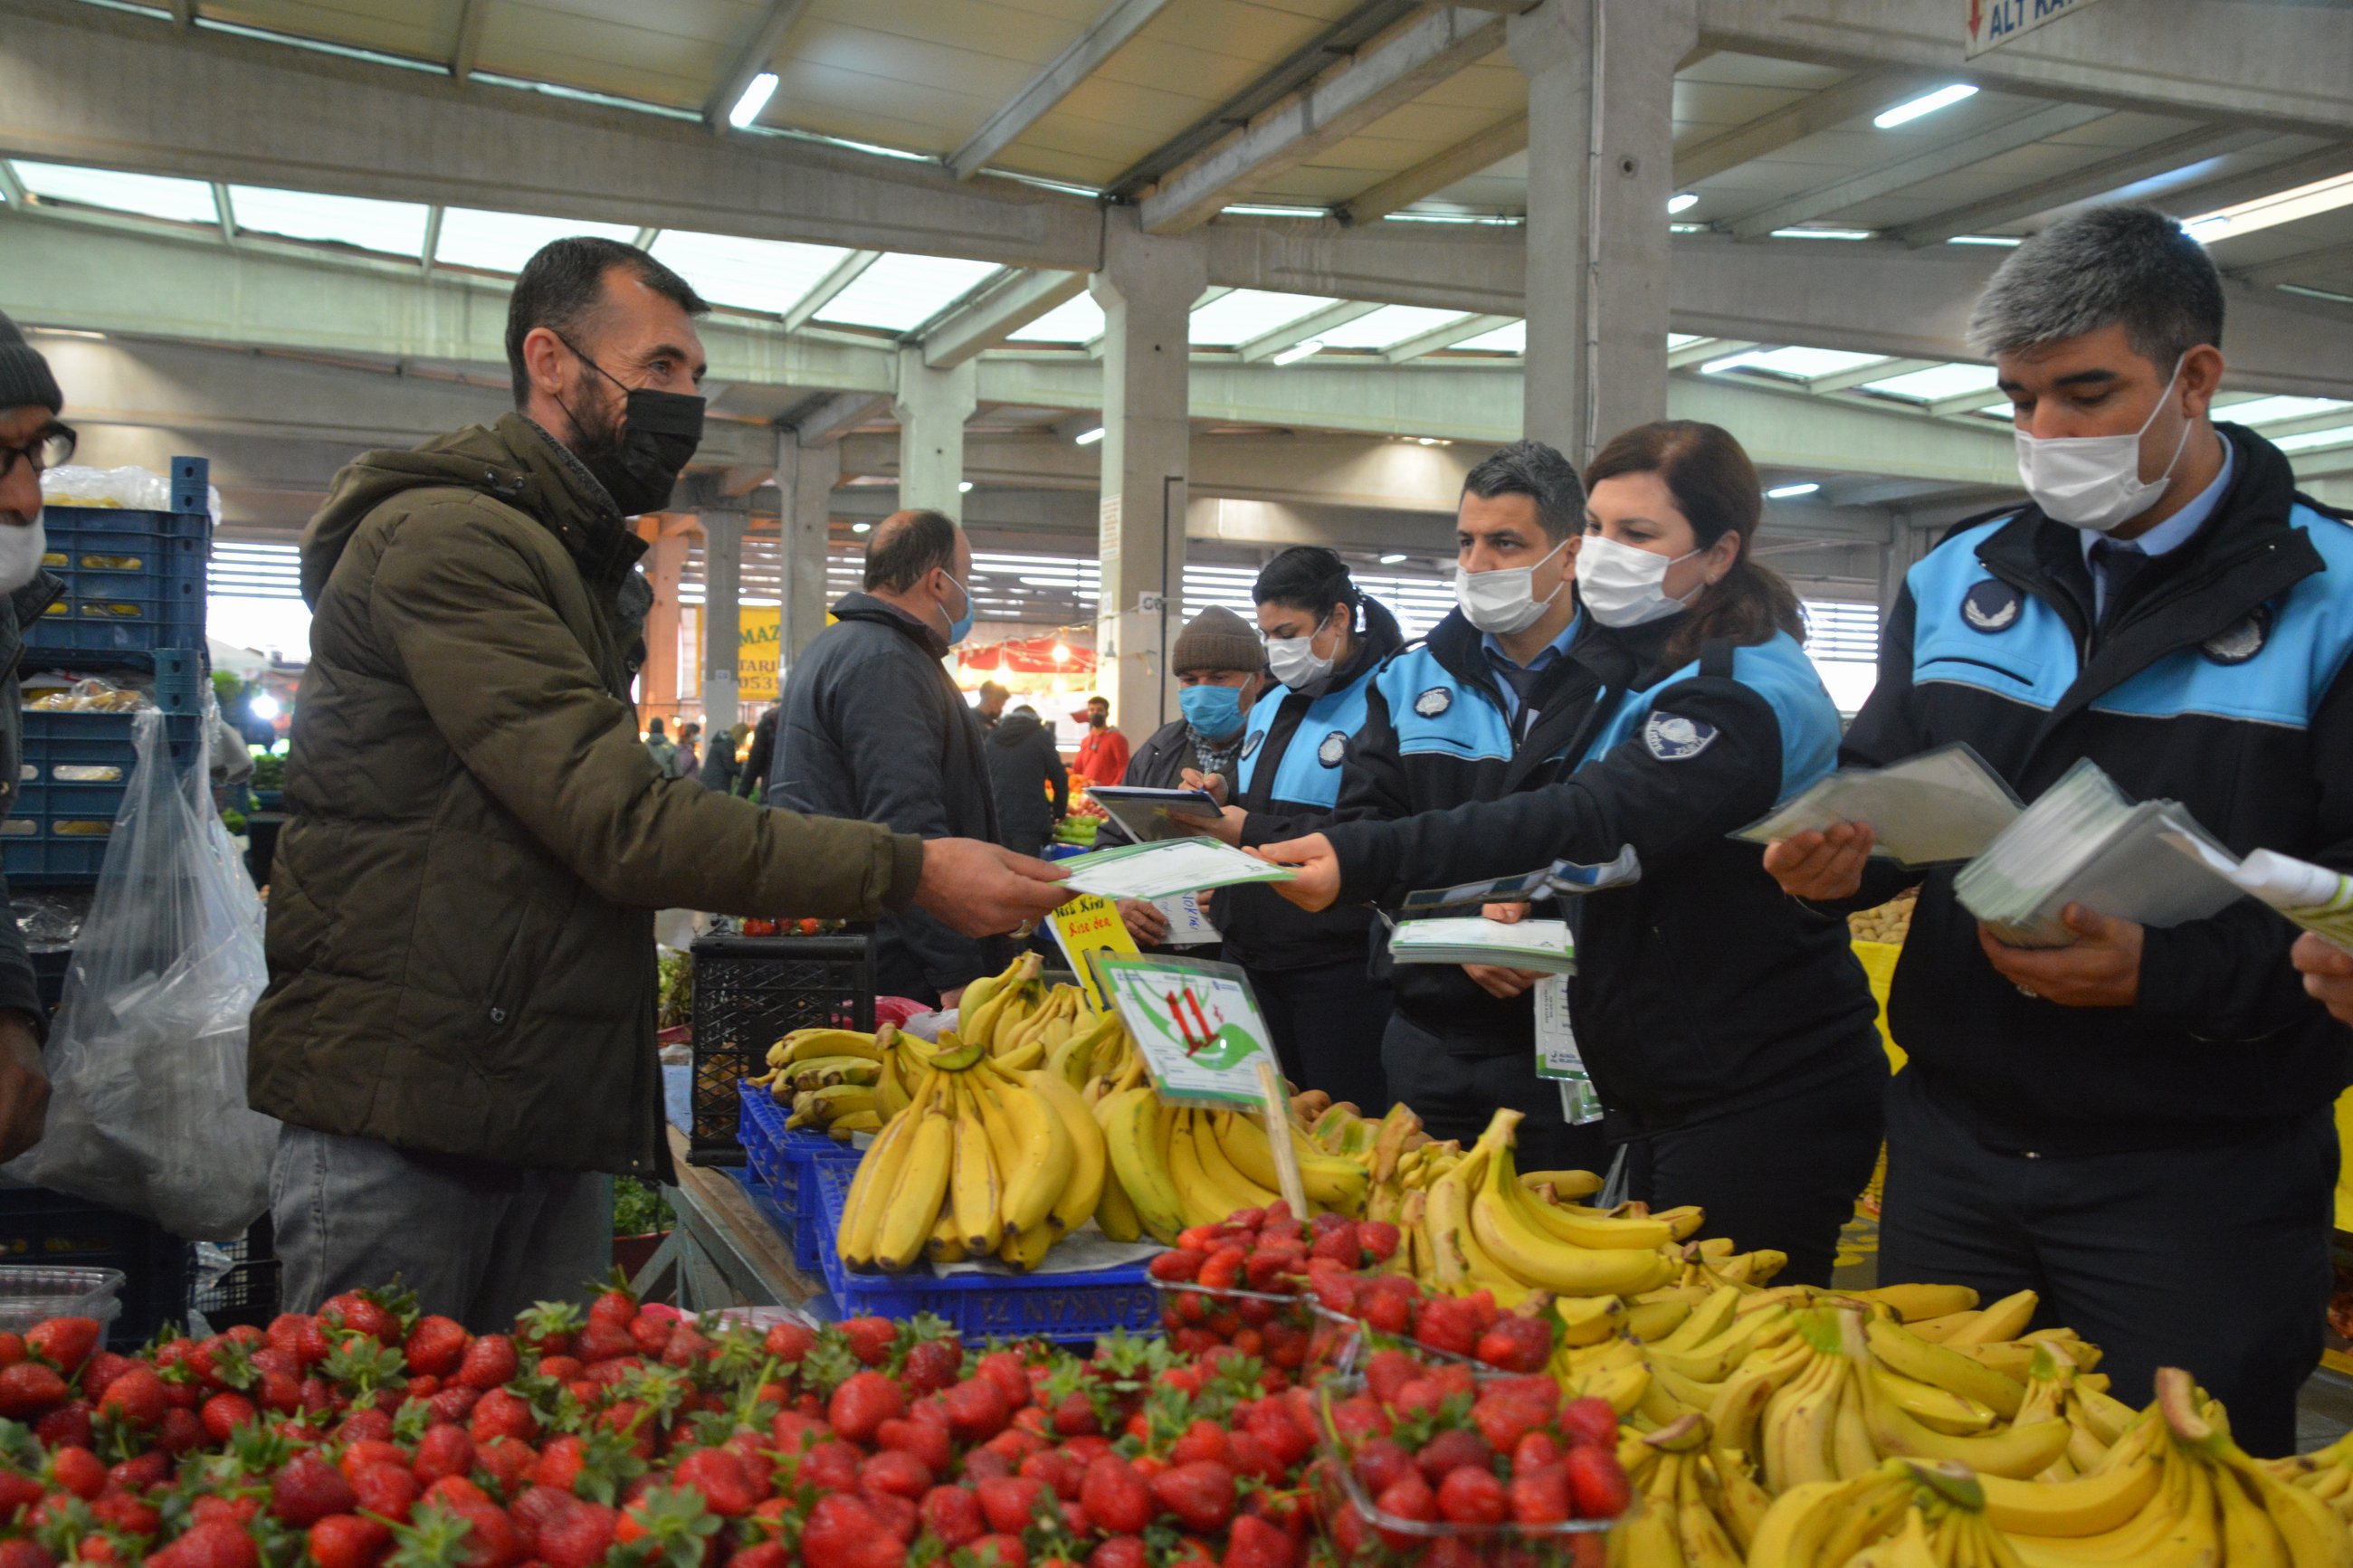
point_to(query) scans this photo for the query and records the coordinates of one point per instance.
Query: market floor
(2324, 1410)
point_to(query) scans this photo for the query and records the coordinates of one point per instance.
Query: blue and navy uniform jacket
(1288, 780)
(1438, 733)
(1700, 987)
(2218, 682)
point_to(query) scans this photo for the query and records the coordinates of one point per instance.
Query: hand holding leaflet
(2314, 896)
(1164, 869)
(1544, 946)
(1941, 805)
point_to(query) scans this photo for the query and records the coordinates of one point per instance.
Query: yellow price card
(1084, 927)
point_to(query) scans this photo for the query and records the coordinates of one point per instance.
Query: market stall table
(723, 1251)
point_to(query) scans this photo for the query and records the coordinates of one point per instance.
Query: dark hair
(2106, 266)
(563, 285)
(1716, 485)
(907, 545)
(1539, 472)
(1307, 577)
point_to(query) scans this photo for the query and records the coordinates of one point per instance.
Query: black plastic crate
(249, 1292)
(41, 1226)
(749, 993)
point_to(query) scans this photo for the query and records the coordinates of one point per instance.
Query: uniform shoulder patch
(1672, 737)
(1991, 606)
(2241, 642)
(1334, 749)
(1434, 701)
(1249, 747)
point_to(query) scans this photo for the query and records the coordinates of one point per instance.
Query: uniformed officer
(1729, 1027)
(1324, 641)
(2137, 1125)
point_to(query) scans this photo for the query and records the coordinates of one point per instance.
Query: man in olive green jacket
(458, 1029)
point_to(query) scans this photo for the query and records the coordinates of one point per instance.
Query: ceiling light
(1785, 492)
(1684, 202)
(1298, 351)
(859, 527)
(1089, 437)
(1926, 103)
(1391, 560)
(2312, 438)
(2005, 240)
(1821, 234)
(1061, 653)
(963, 487)
(755, 99)
(2280, 206)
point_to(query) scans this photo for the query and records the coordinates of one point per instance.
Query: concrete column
(723, 588)
(931, 407)
(807, 475)
(657, 683)
(1601, 169)
(1146, 288)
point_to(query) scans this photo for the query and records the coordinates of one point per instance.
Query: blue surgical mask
(961, 628)
(1214, 711)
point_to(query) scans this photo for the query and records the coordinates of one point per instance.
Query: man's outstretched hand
(983, 889)
(1317, 885)
(1827, 865)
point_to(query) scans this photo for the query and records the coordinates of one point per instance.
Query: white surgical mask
(1503, 601)
(1624, 586)
(21, 549)
(1296, 663)
(2094, 481)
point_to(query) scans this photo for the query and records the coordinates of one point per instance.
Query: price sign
(1198, 1026)
(1086, 929)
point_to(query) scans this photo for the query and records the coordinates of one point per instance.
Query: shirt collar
(1544, 656)
(2176, 530)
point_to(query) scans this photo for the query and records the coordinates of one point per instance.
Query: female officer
(1324, 642)
(1729, 1026)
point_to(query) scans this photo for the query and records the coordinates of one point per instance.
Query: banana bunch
(1173, 1168)
(830, 1078)
(1680, 1521)
(1902, 1514)
(985, 1159)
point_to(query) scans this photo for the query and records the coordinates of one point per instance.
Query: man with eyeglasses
(31, 441)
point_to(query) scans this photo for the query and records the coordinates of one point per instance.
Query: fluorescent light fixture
(1687, 229)
(1822, 234)
(1298, 351)
(2267, 410)
(1268, 209)
(2280, 206)
(1391, 560)
(1789, 492)
(859, 527)
(1089, 437)
(2005, 240)
(1682, 202)
(1433, 441)
(755, 99)
(963, 487)
(2312, 438)
(1926, 103)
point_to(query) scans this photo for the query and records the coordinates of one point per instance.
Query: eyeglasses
(53, 447)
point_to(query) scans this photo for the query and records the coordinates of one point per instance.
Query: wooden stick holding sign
(1277, 1135)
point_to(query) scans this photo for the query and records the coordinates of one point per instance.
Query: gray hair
(1539, 472)
(2111, 265)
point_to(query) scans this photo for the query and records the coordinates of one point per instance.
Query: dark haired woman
(1728, 1026)
(1324, 641)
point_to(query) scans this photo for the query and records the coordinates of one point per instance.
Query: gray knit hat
(1217, 638)
(24, 375)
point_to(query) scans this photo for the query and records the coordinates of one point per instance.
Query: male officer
(2137, 1125)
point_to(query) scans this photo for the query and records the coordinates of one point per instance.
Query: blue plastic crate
(781, 1159)
(74, 772)
(1072, 1308)
(134, 580)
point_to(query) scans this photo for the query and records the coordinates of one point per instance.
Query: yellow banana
(1914, 1302)
(1076, 1203)
(802, 1044)
(1221, 1171)
(1566, 1185)
(1940, 1408)
(2016, 1451)
(912, 1206)
(2004, 1319)
(877, 1178)
(2090, 1505)
(1502, 1229)
(1130, 1124)
(1903, 1350)
(840, 1127)
(975, 1193)
(1042, 1167)
(1333, 1182)
(1116, 1214)
(1023, 1253)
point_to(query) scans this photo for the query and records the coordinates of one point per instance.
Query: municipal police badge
(1334, 747)
(1249, 747)
(1991, 606)
(1434, 701)
(2242, 641)
(1675, 739)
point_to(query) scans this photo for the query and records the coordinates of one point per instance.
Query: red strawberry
(1116, 1498)
(1000, 1551)
(1118, 1552)
(1253, 1459)
(899, 1516)
(1178, 1267)
(490, 1537)
(1541, 1495)
(348, 1541)
(1063, 1472)
(1517, 1344)
(896, 1473)
(577, 1537)
(1582, 1421)
(386, 1491)
(499, 1413)
(1597, 1483)
(650, 1332)
(924, 1436)
(843, 1533)
(863, 1402)
(16, 1492)
(1449, 1451)
(179, 1432)
(213, 1544)
(1255, 1543)
(78, 1470)
(604, 1341)
(1202, 1440)
(727, 1488)
(361, 1312)
(934, 1364)
(1004, 1369)
(30, 1389)
(1379, 1237)
(1504, 1419)
(1283, 1435)
(831, 1467)
(306, 1490)
(1470, 1495)
(65, 1343)
(870, 1339)
(443, 1451)
(300, 1338)
(954, 1516)
(1202, 1494)
(764, 1554)
(137, 1474)
(1409, 1497)
(67, 1426)
(978, 1409)
(1449, 1323)
(488, 1363)
(789, 1342)
(1010, 1502)
(507, 1460)
(437, 1346)
(1535, 1451)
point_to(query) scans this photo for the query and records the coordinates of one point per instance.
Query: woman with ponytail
(1727, 1028)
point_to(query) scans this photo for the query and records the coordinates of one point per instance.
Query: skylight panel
(392, 228)
(502, 242)
(1803, 363)
(1078, 320)
(1389, 325)
(749, 274)
(1509, 339)
(899, 293)
(147, 195)
(1939, 382)
(1248, 313)
(2270, 410)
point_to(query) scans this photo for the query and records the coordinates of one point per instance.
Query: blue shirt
(1505, 665)
(2170, 535)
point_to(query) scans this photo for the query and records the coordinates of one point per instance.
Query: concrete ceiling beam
(1037, 98)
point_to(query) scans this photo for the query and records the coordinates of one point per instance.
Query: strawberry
(1202, 1440)
(1000, 1551)
(789, 1342)
(1281, 1434)
(578, 1536)
(1255, 1543)
(1540, 1495)
(300, 1338)
(16, 1492)
(925, 1437)
(901, 1517)
(445, 1450)
(1517, 1344)
(1004, 1369)
(437, 1346)
(843, 1533)
(499, 1413)
(953, 1516)
(765, 1554)
(306, 1490)
(1253, 1459)
(1449, 1323)
(870, 1339)
(686, 1347)
(934, 1364)
(719, 1475)
(348, 1541)
(137, 1474)
(863, 1402)
(1587, 1421)
(1597, 1483)
(1339, 1243)
(363, 1312)
(76, 1470)
(125, 1514)
(1202, 1494)
(1116, 1498)
(1379, 1238)
(67, 1426)
(1471, 1496)
(179, 1432)
(454, 1404)
(1407, 1498)
(831, 1467)
(604, 1341)
(1118, 1552)
(1178, 1267)
(649, 1332)
(215, 1544)
(488, 1363)
(896, 1473)
(976, 1409)
(507, 1460)
(490, 1537)
(1504, 1419)
(385, 1491)
(64, 1342)
(1452, 1450)
(548, 1328)
(1535, 1451)
(1010, 1502)
(30, 1389)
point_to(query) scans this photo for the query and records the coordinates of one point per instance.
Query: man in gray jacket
(871, 726)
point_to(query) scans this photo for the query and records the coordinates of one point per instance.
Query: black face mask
(641, 464)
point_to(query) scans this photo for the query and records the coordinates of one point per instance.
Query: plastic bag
(147, 1108)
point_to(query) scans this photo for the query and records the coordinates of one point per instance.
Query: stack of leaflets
(1941, 805)
(2084, 842)
(1543, 946)
(2314, 896)
(1164, 869)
